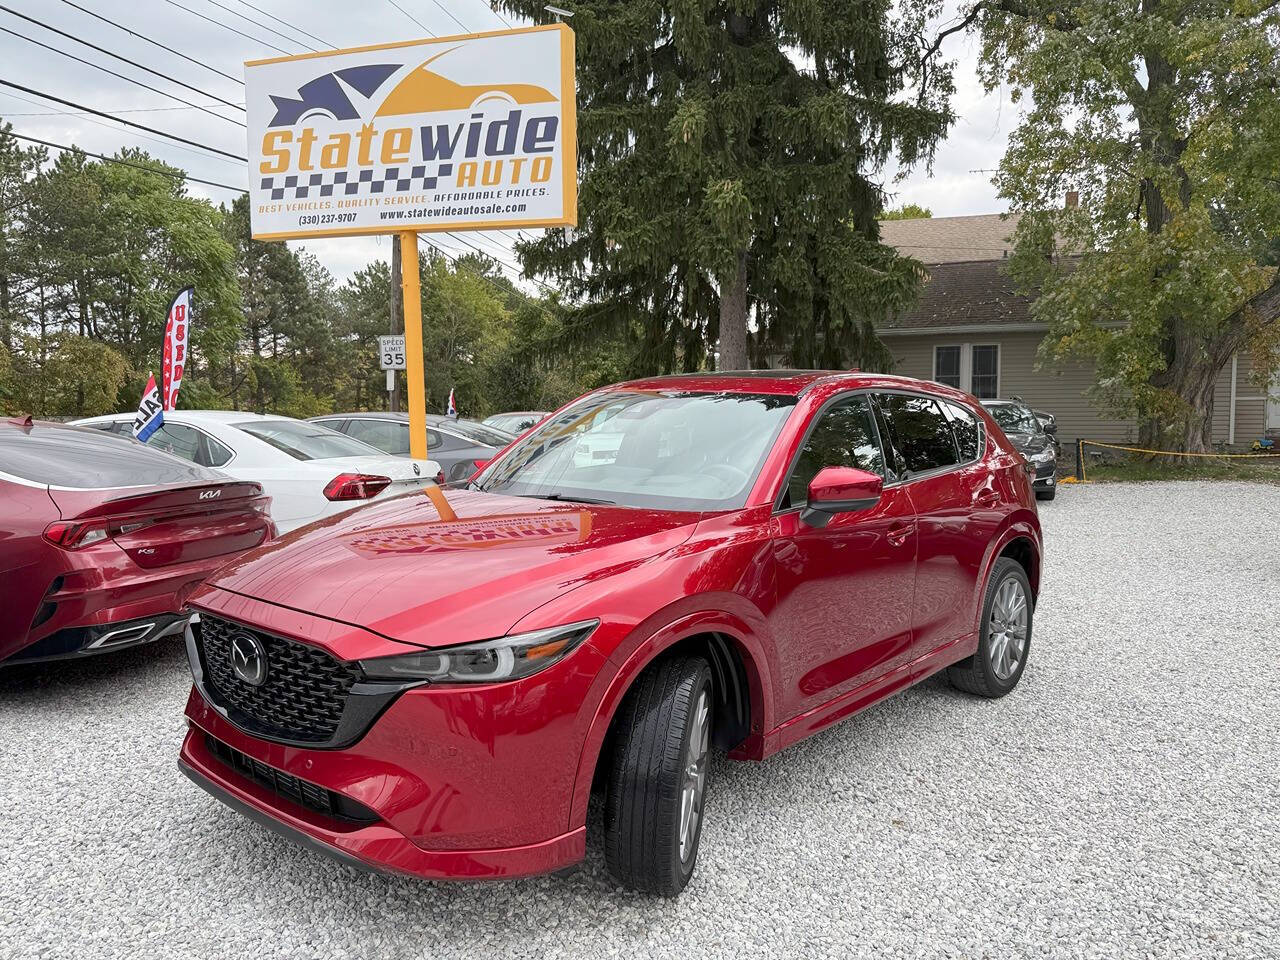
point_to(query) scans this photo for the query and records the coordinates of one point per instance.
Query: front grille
(302, 698)
(306, 794)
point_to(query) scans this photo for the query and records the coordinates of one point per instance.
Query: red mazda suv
(434, 685)
(102, 539)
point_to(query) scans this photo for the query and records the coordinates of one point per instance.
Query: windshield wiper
(563, 498)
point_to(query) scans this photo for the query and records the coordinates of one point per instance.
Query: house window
(946, 365)
(985, 379)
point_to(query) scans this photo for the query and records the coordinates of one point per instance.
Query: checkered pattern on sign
(388, 180)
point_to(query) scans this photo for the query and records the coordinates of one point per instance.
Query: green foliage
(726, 152)
(91, 254)
(908, 211)
(1166, 119)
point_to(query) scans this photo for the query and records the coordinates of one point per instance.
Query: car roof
(783, 382)
(196, 416)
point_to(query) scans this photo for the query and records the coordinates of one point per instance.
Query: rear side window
(921, 434)
(389, 436)
(845, 436)
(970, 438)
(90, 459)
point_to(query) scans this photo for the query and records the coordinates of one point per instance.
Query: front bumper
(376, 846)
(1046, 476)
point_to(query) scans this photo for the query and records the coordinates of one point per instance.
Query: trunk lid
(161, 526)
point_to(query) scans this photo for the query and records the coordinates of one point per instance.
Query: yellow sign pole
(414, 373)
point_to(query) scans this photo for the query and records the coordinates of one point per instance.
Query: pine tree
(727, 155)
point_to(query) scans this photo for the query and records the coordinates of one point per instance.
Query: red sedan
(736, 560)
(102, 540)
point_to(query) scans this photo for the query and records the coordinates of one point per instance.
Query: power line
(450, 15)
(139, 83)
(225, 26)
(126, 163)
(132, 63)
(106, 126)
(272, 30)
(154, 43)
(493, 8)
(127, 123)
(411, 17)
(272, 16)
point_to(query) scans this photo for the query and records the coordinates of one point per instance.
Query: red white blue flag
(150, 416)
(453, 408)
(176, 336)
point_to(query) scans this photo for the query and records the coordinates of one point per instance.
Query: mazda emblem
(249, 659)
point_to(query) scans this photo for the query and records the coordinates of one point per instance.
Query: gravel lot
(1124, 802)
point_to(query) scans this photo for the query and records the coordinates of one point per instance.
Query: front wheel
(657, 782)
(1005, 635)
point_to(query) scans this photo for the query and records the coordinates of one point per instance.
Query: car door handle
(899, 533)
(986, 498)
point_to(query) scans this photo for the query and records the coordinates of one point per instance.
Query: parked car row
(661, 567)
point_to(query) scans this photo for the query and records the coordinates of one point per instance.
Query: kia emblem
(249, 659)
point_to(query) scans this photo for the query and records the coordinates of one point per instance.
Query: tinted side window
(845, 436)
(968, 430)
(921, 433)
(389, 436)
(177, 439)
(216, 453)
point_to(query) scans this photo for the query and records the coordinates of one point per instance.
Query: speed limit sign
(391, 352)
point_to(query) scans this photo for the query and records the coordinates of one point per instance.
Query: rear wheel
(657, 781)
(1005, 636)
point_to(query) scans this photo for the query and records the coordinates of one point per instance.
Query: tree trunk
(733, 319)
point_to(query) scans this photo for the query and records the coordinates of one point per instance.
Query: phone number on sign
(318, 218)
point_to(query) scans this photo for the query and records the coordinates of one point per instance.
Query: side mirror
(840, 490)
(1051, 427)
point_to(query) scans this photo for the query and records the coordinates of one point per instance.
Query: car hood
(397, 569)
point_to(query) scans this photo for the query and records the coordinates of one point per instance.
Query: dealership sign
(456, 133)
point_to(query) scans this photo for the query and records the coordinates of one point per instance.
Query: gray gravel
(1124, 802)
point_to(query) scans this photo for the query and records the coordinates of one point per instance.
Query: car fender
(1020, 525)
(644, 646)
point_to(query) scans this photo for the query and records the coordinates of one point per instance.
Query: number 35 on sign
(391, 352)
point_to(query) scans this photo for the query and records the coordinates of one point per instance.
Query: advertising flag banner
(150, 416)
(452, 411)
(454, 133)
(176, 337)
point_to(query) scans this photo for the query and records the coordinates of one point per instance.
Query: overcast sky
(209, 32)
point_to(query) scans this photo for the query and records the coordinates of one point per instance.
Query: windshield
(477, 432)
(671, 451)
(306, 441)
(1013, 418)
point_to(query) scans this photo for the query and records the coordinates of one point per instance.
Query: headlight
(1042, 456)
(489, 661)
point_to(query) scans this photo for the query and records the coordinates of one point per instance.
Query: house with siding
(971, 329)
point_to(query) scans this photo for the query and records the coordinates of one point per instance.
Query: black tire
(1047, 494)
(976, 674)
(652, 749)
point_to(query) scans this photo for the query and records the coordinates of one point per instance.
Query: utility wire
(88, 118)
(271, 30)
(126, 163)
(225, 26)
(272, 16)
(132, 63)
(127, 79)
(411, 16)
(154, 43)
(493, 8)
(450, 15)
(127, 123)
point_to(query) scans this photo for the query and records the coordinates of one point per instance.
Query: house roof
(952, 239)
(972, 293)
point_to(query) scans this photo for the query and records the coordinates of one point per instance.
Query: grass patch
(1198, 468)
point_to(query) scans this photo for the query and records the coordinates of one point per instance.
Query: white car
(308, 470)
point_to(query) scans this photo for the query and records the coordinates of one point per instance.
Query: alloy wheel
(695, 776)
(1007, 629)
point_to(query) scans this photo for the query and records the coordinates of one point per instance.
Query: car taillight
(72, 536)
(355, 486)
(439, 478)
